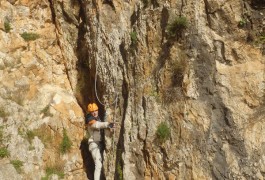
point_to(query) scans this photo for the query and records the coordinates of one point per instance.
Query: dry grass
(54, 167)
(43, 133)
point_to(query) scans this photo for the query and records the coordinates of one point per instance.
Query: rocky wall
(204, 79)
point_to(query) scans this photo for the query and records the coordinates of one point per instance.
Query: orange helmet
(92, 107)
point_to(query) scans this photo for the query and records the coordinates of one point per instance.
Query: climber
(94, 128)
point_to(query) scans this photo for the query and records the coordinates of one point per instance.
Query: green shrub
(54, 170)
(43, 133)
(27, 36)
(262, 38)
(134, 37)
(4, 152)
(119, 172)
(156, 95)
(259, 40)
(66, 143)
(242, 23)
(163, 132)
(176, 27)
(7, 26)
(17, 165)
(30, 135)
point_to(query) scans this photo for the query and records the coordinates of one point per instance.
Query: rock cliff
(183, 80)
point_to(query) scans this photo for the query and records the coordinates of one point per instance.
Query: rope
(115, 101)
(105, 104)
(96, 64)
(116, 94)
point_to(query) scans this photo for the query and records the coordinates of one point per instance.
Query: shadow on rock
(87, 159)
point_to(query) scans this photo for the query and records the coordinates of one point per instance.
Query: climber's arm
(98, 125)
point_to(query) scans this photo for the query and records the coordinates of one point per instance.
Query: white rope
(96, 64)
(116, 93)
(105, 104)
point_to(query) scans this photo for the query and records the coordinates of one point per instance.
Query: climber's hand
(111, 125)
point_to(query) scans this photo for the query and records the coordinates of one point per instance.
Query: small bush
(66, 143)
(242, 23)
(29, 36)
(163, 132)
(7, 26)
(54, 170)
(17, 165)
(262, 38)
(4, 152)
(177, 26)
(43, 133)
(134, 37)
(156, 95)
(259, 40)
(30, 135)
(119, 172)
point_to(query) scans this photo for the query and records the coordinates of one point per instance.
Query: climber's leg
(95, 151)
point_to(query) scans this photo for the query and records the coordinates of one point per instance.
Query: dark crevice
(53, 13)
(164, 55)
(123, 52)
(85, 92)
(155, 3)
(134, 17)
(124, 56)
(258, 4)
(69, 17)
(206, 4)
(120, 146)
(145, 150)
(220, 47)
(88, 163)
(164, 22)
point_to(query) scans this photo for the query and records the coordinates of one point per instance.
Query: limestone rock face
(36, 97)
(202, 76)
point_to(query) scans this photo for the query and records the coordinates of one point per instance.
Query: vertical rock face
(36, 92)
(195, 66)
